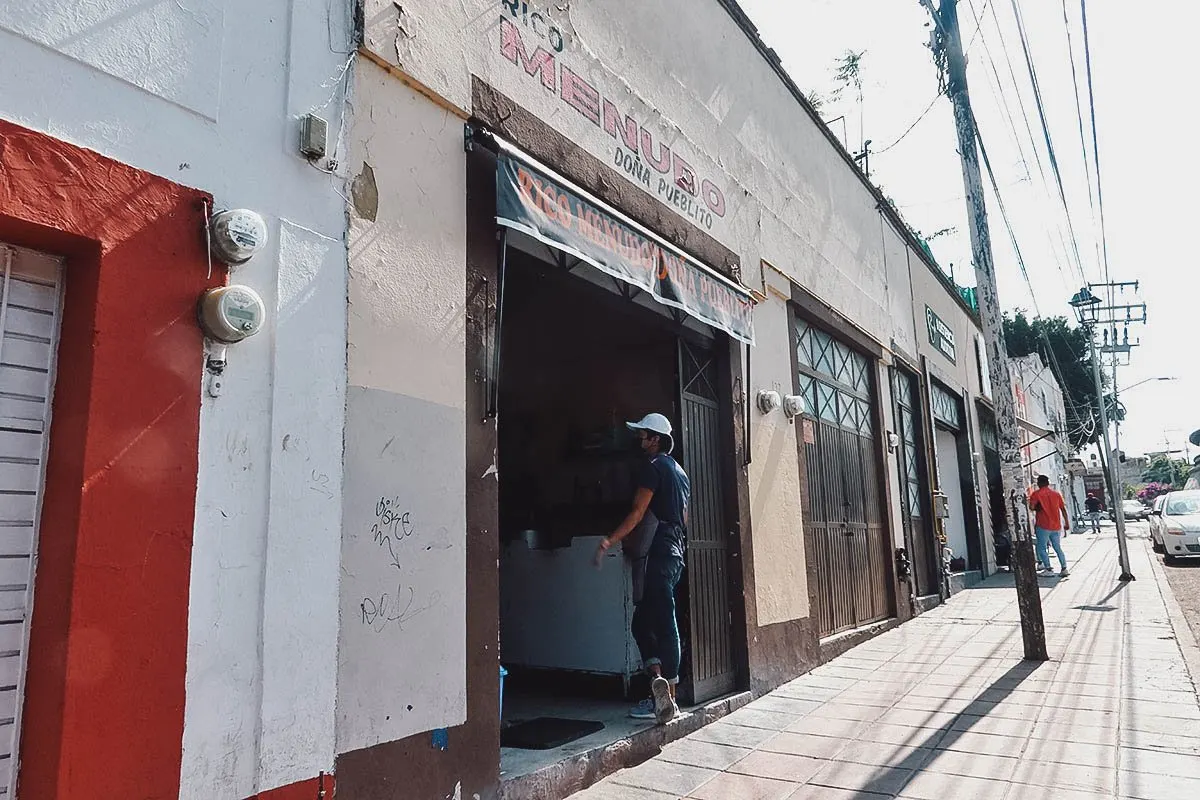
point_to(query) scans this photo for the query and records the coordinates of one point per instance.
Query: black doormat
(547, 733)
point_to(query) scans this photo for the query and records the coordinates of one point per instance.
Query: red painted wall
(105, 688)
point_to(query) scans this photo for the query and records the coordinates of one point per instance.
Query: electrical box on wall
(314, 136)
(941, 505)
(229, 314)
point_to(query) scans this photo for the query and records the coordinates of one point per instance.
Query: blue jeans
(655, 628)
(1043, 555)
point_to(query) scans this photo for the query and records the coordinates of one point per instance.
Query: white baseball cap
(655, 423)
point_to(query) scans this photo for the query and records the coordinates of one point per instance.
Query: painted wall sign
(536, 204)
(645, 159)
(940, 335)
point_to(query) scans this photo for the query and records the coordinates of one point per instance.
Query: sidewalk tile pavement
(944, 706)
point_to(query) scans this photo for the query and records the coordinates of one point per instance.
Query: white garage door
(950, 482)
(30, 311)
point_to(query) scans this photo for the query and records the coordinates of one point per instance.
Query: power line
(1087, 50)
(1056, 368)
(1041, 109)
(998, 92)
(910, 127)
(978, 26)
(1012, 236)
(1087, 172)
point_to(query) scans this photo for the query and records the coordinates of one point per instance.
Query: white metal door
(30, 314)
(951, 485)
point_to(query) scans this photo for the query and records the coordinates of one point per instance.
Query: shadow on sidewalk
(947, 734)
(1102, 603)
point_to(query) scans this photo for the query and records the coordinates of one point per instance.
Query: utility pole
(1113, 459)
(1111, 316)
(948, 54)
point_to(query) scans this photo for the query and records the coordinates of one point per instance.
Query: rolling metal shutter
(30, 314)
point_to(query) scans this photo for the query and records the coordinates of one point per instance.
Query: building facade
(327, 550)
(1041, 417)
(183, 633)
(558, 224)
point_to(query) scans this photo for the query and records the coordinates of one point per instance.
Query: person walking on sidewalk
(1050, 521)
(1093, 505)
(663, 489)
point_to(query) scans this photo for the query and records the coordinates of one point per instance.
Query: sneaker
(643, 710)
(1064, 574)
(664, 705)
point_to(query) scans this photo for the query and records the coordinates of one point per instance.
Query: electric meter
(237, 234)
(229, 314)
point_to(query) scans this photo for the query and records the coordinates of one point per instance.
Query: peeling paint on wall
(365, 194)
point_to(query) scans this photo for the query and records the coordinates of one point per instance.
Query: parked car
(1133, 510)
(1179, 523)
(1156, 534)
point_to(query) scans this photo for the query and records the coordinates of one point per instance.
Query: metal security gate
(844, 528)
(30, 303)
(918, 526)
(710, 668)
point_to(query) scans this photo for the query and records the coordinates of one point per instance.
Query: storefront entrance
(914, 493)
(1001, 541)
(711, 665)
(844, 529)
(582, 344)
(955, 467)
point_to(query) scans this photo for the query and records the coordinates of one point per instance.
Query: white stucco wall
(961, 374)
(780, 572)
(1040, 402)
(402, 648)
(209, 95)
(789, 197)
(688, 78)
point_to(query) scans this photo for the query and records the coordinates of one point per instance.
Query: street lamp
(1087, 307)
(1149, 380)
(1087, 310)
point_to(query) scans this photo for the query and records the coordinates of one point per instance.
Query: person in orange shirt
(1050, 521)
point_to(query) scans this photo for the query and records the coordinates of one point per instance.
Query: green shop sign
(940, 335)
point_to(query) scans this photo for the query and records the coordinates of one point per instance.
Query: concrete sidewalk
(943, 707)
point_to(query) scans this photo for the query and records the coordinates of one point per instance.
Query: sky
(1143, 72)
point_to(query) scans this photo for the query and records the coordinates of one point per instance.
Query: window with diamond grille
(835, 381)
(947, 406)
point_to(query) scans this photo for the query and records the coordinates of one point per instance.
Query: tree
(1167, 470)
(848, 73)
(1064, 348)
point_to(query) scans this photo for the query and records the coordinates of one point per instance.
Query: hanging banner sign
(534, 203)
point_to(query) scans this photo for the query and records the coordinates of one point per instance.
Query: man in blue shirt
(662, 489)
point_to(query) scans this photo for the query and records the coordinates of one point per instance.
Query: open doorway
(578, 359)
(956, 465)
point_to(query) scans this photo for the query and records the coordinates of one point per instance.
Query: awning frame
(565, 249)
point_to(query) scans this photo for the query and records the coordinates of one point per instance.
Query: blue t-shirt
(672, 490)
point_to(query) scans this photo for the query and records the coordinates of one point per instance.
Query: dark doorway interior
(1001, 540)
(914, 487)
(577, 361)
(956, 464)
